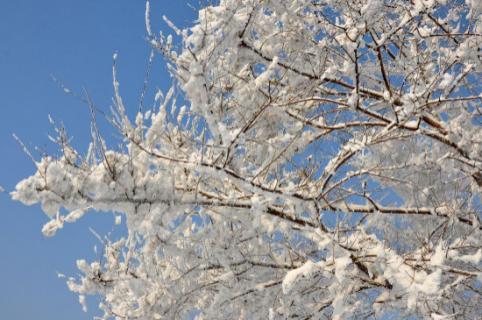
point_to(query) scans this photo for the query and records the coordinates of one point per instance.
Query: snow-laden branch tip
(148, 19)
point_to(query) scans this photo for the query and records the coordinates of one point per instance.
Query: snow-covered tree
(327, 164)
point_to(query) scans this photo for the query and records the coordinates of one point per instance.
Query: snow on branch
(326, 164)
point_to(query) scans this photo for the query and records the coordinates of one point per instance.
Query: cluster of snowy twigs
(328, 164)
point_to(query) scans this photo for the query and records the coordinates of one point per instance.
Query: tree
(327, 165)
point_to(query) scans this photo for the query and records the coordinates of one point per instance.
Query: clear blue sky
(74, 41)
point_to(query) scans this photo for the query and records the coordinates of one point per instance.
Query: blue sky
(74, 41)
